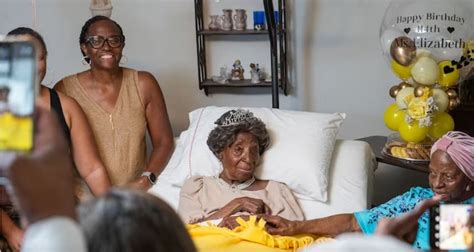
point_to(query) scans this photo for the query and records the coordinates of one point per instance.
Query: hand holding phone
(405, 227)
(17, 95)
(41, 183)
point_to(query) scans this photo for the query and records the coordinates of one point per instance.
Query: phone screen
(453, 226)
(17, 95)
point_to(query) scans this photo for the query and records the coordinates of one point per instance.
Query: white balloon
(425, 71)
(422, 53)
(400, 99)
(441, 99)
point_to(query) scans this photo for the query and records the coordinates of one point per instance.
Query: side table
(378, 142)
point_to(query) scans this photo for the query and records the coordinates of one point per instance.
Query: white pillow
(299, 155)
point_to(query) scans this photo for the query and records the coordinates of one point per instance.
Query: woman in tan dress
(120, 104)
(238, 141)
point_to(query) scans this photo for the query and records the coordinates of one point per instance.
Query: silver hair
(232, 123)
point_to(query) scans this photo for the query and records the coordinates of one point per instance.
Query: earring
(86, 60)
(468, 188)
(123, 60)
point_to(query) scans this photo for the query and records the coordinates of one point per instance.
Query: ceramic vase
(227, 23)
(240, 19)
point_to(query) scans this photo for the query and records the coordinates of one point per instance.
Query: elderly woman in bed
(238, 141)
(451, 179)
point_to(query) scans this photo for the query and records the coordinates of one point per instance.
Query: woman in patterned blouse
(451, 178)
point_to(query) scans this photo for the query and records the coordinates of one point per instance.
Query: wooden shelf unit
(278, 49)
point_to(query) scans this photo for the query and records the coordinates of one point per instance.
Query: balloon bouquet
(429, 45)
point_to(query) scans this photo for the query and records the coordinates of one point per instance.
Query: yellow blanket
(249, 236)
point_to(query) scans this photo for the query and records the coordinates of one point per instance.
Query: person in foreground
(451, 177)
(127, 220)
(120, 220)
(120, 104)
(238, 141)
(46, 203)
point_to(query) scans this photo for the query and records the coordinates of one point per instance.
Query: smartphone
(451, 226)
(17, 95)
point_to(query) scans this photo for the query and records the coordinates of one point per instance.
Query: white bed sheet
(350, 186)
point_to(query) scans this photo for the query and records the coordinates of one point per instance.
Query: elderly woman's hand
(250, 205)
(277, 225)
(230, 222)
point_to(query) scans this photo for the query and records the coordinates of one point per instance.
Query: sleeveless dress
(56, 107)
(120, 135)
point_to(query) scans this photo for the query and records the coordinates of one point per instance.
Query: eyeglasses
(97, 42)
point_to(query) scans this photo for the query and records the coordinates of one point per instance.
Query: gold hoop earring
(123, 60)
(86, 60)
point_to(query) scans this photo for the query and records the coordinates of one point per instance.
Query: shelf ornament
(429, 46)
(101, 8)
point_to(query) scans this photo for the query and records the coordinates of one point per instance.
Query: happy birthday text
(431, 16)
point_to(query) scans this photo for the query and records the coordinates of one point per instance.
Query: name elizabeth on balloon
(440, 43)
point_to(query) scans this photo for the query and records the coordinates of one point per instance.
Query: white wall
(335, 61)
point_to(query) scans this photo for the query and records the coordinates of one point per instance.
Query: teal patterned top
(406, 202)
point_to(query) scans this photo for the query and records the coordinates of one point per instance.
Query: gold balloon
(419, 91)
(394, 91)
(403, 50)
(458, 101)
(403, 85)
(452, 93)
(453, 103)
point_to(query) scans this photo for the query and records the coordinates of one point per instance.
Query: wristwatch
(151, 177)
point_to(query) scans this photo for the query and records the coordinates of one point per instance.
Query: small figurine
(237, 71)
(224, 76)
(254, 73)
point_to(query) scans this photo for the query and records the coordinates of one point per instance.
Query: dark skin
(447, 181)
(102, 82)
(239, 161)
(45, 195)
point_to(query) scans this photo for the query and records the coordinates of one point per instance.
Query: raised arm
(84, 149)
(331, 225)
(158, 123)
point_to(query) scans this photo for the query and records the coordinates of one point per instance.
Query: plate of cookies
(396, 148)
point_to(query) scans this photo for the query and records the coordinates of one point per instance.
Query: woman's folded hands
(248, 205)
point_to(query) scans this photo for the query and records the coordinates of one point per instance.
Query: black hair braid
(31, 32)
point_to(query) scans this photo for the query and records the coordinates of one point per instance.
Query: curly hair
(223, 136)
(91, 21)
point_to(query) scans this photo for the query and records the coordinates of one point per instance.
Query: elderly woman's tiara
(233, 117)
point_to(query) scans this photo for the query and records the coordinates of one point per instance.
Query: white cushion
(351, 179)
(299, 154)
